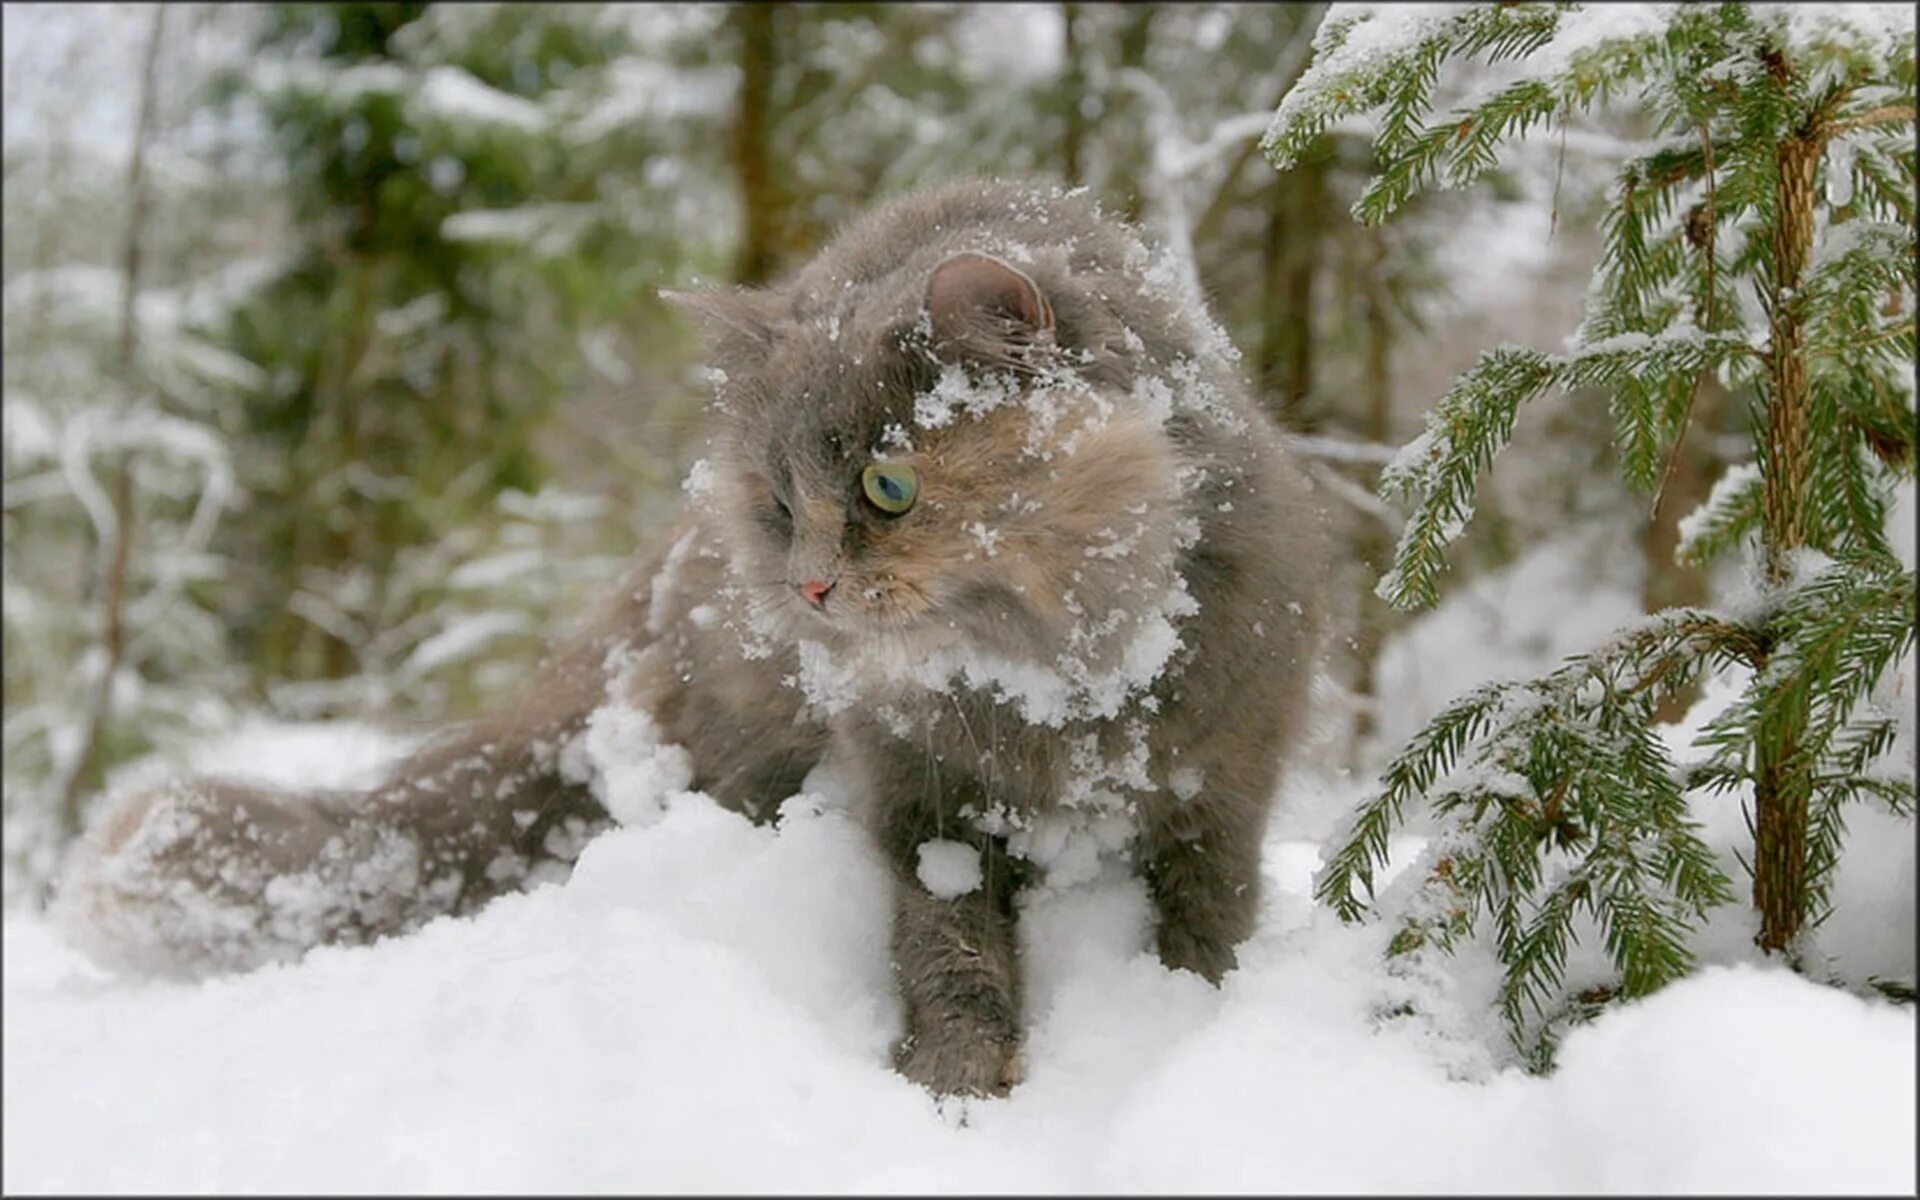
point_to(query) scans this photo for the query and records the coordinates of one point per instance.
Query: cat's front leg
(957, 967)
(955, 952)
(1201, 859)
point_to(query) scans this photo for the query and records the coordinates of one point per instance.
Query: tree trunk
(1137, 34)
(86, 765)
(330, 529)
(1073, 97)
(1295, 202)
(1781, 790)
(757, 259)
(1374, 548)
(1129, 153)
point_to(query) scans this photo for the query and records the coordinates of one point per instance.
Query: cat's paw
(960, 1066)
(1181, 949)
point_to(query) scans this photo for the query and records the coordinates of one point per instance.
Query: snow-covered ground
(705, 1006)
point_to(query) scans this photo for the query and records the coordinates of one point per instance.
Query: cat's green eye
(893, 487)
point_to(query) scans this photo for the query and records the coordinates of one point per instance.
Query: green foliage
(484, 192)
(1558, 798)
(407, 344)
(489, 198)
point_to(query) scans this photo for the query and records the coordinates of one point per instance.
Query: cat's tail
(201, 876)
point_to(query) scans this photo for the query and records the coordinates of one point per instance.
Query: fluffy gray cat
(987, 515)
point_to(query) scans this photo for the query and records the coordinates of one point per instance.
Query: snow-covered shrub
(1767, 237)
(79, 430)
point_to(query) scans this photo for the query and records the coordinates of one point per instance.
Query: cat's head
(933, 457)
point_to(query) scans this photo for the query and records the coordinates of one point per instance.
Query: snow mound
(705, 1005)
(949, 869)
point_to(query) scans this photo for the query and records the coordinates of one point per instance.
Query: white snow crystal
(949, 869)
(1186, 782)
(666, 580)
(700, 481)
(830, 685)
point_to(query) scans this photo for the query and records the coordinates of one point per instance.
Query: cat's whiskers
(771, 610)
(890, 601)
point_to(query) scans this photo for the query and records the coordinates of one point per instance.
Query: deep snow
(705, 1006)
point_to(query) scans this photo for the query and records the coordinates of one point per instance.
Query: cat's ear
(983, 305)
(744, 316)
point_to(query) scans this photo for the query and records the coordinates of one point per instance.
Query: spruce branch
(1729, 513)
(1489, 727)
(1884, 114)
(1831, 641)
(1898, 338)
(1836, 637)
(1473, 422)
(1884, 178)
(1400, 79)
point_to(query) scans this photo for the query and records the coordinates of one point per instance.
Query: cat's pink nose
(816, 592)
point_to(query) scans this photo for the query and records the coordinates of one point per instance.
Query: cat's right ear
(745, 318)
(985, 307)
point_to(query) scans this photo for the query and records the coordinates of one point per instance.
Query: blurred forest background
(336, 381)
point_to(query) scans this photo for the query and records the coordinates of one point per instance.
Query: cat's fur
(1097, 622)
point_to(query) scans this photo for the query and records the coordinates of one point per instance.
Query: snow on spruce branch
(1729, 513)
(1386, 60)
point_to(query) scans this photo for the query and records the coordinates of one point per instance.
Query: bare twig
(1341, 450)
(1708, 227)
(1559, 173)
(1354, 496)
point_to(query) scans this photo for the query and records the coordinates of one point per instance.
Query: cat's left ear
(745, 316)
(986, 306)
